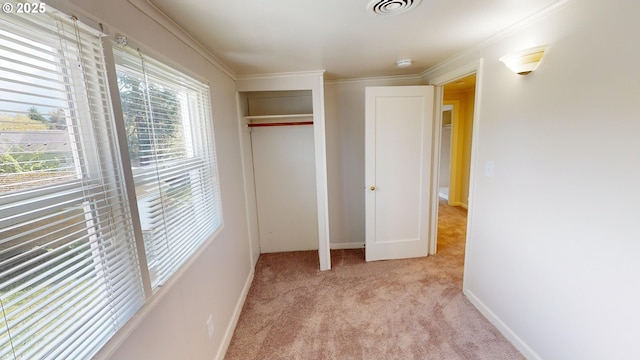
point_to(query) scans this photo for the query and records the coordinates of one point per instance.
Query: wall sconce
(525, 61)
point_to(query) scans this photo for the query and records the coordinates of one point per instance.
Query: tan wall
(345, 118)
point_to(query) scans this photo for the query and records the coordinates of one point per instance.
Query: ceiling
(341, 36)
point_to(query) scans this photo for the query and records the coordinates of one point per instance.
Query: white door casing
(308, 80)
(398, 145)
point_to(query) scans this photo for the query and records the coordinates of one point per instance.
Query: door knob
(373, 188)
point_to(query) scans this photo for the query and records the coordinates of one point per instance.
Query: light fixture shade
(525, 61)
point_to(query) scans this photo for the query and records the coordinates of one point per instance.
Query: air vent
(392, 7)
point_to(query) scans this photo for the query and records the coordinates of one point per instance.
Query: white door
(399, 134)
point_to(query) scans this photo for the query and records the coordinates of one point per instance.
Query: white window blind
(170, 138)
(69, 272)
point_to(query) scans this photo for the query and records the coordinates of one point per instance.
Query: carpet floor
(396, 309)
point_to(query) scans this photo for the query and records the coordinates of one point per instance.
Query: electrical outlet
(210, 326)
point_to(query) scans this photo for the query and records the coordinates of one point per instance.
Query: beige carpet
(399, 309)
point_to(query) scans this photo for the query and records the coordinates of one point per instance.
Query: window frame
(90, 100)
(62, 190)
(151, 60)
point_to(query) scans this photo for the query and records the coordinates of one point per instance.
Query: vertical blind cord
(6, 321)
(154, 142)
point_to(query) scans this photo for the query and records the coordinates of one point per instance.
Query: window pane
(162, 139)
(170, 142)
(35, 148)
(52, 274)
(69, 271)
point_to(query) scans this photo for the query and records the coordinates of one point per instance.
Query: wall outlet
(210, 326)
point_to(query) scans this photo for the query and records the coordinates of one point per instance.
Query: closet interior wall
(280, 126)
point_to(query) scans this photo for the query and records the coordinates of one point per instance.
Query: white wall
(172, 325)
(284, 168)
(554, 243)
(344, 114)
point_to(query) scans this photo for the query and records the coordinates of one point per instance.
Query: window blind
(171, 148)
(69, 274)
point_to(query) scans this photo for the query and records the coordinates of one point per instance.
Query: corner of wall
(522, 346)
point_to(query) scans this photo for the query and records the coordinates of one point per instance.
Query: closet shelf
(267, 117)
(267, 120)
(289, 123)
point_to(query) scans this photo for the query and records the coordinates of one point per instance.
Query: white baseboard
(226, 340)
(349, 245)
(527, 351)
(461, 204)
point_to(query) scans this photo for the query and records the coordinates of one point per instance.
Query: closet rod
(291, 123)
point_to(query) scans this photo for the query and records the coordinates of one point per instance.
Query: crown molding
(148, 8)
(508, 31)
(416, 77)
(294, 74)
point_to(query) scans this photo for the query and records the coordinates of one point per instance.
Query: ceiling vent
(392, 7)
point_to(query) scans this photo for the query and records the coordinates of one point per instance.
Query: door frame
(311, 80)
(439, 82)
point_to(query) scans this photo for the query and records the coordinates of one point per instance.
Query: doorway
(457, 122)
(444, 179)
(456, 135)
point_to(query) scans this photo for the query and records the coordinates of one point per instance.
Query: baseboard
(349, 245)
(226, 340)
(457, 203)
(502, 327)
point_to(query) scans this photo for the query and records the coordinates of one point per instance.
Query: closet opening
(279, 136)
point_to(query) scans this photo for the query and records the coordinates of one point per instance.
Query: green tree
(17, 159)
(161, 123)
(9, 164)
(34, 114)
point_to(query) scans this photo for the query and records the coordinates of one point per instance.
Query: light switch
(488, 168)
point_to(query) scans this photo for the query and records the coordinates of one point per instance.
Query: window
(69, 270)
(168, 125)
